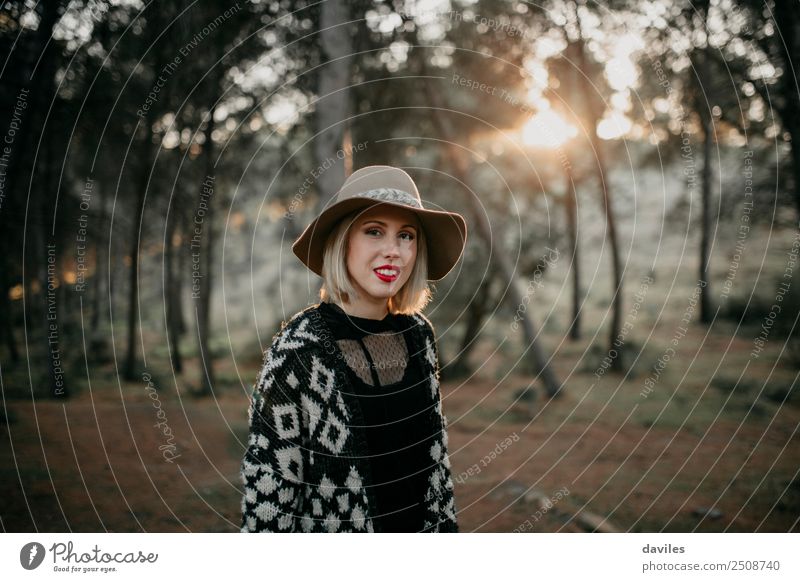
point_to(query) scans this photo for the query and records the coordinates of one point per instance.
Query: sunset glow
(614, 125)
(547, 129)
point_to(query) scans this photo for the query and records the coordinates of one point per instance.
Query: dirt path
(99, 466)
(94, 464)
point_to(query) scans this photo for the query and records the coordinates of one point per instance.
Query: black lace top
(393, 407)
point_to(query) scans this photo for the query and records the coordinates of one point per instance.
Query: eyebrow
(384, 224)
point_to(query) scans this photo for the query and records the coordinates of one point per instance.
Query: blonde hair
(337, 287)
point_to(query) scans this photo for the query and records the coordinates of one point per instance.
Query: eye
(372, 231)
(408, 236)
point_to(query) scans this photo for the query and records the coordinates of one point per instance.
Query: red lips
(387, 278)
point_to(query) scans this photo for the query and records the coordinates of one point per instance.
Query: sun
(547, 129)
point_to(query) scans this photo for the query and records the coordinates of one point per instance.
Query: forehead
(388, 214)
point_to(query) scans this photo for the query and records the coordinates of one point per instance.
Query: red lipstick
(390, 273)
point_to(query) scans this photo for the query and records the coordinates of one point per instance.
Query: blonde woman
(346, 426)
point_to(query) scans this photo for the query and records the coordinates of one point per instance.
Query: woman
(346, 426)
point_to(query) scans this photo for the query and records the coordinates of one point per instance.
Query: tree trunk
(203, 307)
(44, 184)
(593, 117)
(787, 20)
(460, 367)
(616, 318)
(333, 106)
(571, 210)
(181, 327)
(706, 315)
(148, 156)
(50, 273)
(134, 242)
(29, 79)
(6, 319)
(172, 291)
(101, 286)
(100, 267)
(701, 106)
(26, 69)
(794, 131)
(500, 261)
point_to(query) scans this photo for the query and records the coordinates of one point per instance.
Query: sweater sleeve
(447, 508)
(447, 517)
(272, 468)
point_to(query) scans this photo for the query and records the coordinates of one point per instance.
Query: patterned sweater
(306, 467)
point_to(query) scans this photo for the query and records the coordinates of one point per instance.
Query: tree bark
(333, 106)
(706, 315)
(99, 270)
(6, 319)
(206, 283)
(51, 276)
(134, 242)
(29, 74)
(101, 288)
(183, 267)
(148, 156)
(45, 173)
(787, 19)
(208, 243)
(701, 107)
(616, 317)
(571, 210)
(31, 70)
(172, 291)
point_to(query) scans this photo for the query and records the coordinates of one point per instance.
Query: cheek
(349, 259)
(353, 247)
(359, 253)
(409, 259)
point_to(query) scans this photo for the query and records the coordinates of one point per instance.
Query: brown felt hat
(445, 232)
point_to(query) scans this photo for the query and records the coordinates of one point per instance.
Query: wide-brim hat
(445, 232)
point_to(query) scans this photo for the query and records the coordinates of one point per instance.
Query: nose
(392, 247)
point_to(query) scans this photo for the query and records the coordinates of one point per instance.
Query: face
(382, 251)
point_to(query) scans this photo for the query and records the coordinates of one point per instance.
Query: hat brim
(445, 235)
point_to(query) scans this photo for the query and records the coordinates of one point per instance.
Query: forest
(618, 344)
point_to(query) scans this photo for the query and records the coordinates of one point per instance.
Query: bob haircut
(337, 286)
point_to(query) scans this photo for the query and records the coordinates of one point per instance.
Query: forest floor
(704, 451)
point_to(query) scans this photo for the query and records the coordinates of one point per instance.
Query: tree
(592, 112)
(333, 107)
(29, 169)
(459, 165)
(159, 23)
(773, 26)
(708, 99)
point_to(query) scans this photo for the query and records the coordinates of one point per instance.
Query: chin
(383, 294)
(381, 291)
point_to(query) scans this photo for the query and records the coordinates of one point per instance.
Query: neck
(366, 310)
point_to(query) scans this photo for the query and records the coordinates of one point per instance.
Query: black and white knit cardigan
(306, 467)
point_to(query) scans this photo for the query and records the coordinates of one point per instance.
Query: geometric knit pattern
(306, 467)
